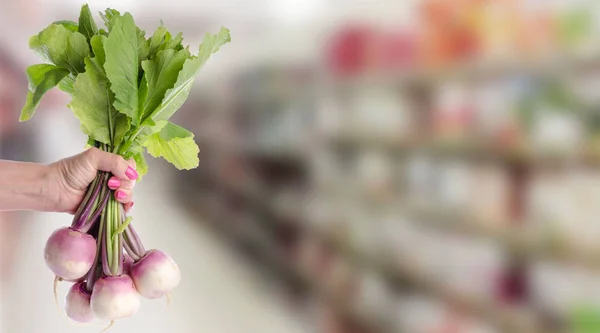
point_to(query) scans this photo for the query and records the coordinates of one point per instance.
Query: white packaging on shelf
(422, 314)
(559, 288)
(557, 131)
(422, 180)
(375, 173)
(452, 112)
(494, 103)
(489, 189)
(400, 238)
(455, 179)
(564, 205)
(374, 297)
(380, 111)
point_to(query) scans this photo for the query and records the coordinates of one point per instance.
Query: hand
(70, 178)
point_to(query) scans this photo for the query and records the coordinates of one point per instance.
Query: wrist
(25, 186)
(49, 191)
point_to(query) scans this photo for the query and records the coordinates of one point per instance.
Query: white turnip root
(155, 274)
(114, 297)
(77, 304)
(69, 253)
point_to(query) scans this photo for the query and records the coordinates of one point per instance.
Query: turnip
(155, 274)
(70, 253)
(77, 304)
(114, 297)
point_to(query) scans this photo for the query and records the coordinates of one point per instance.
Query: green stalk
(114, 267)
(107, 232)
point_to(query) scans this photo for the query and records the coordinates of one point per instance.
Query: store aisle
(218, 292)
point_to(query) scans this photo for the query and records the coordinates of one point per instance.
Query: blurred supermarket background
(423, 166)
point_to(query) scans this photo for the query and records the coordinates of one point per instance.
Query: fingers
(124, 173)
(122, 188)
(128, 206)
(112, 163)
(123, 196)
(116, 183)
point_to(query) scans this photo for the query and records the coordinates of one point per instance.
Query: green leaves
(108, 17)
(155, 42)
(92, 102)
(161, 75)
(124, 87)
(175, 97)
(62, 47)
(42, 78)
(141, 165)
(122, 66)
(97, 43)
(67, 84)
(70, 25)
(176, 145)
(87, 26)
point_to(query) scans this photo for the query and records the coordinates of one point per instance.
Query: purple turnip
(114, 297)
(77, 304)
(155, 274)
(69, 253)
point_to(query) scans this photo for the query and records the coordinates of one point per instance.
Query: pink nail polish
(131, 173)
(120, 195)
(114, 183)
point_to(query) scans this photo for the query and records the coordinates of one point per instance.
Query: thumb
(112, 163)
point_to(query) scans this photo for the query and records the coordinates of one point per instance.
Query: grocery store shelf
(474, 70)
(528, 244)
(234, 227)
(507, 318)
(473, 150)
(514, 320)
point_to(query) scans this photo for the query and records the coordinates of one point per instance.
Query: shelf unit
(291, 165)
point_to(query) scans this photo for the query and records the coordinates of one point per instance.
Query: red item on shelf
(347, 52)
(397, 50)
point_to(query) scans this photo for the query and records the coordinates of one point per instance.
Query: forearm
(24, 186)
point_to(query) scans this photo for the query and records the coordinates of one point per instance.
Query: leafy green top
(124, 87)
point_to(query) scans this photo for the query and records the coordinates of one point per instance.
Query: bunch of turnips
(124, 89)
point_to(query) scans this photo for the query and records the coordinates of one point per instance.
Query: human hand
(69, 178)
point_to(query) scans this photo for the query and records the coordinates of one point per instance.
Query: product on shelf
(374, 174)
(563, 209)
(380, 112)
(489, 193)
(453, 114)
(565, 292)
(420, 314)
(374, 298)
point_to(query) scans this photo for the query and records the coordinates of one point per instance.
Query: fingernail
(114, 183)
(131, 173)
(120, 194)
